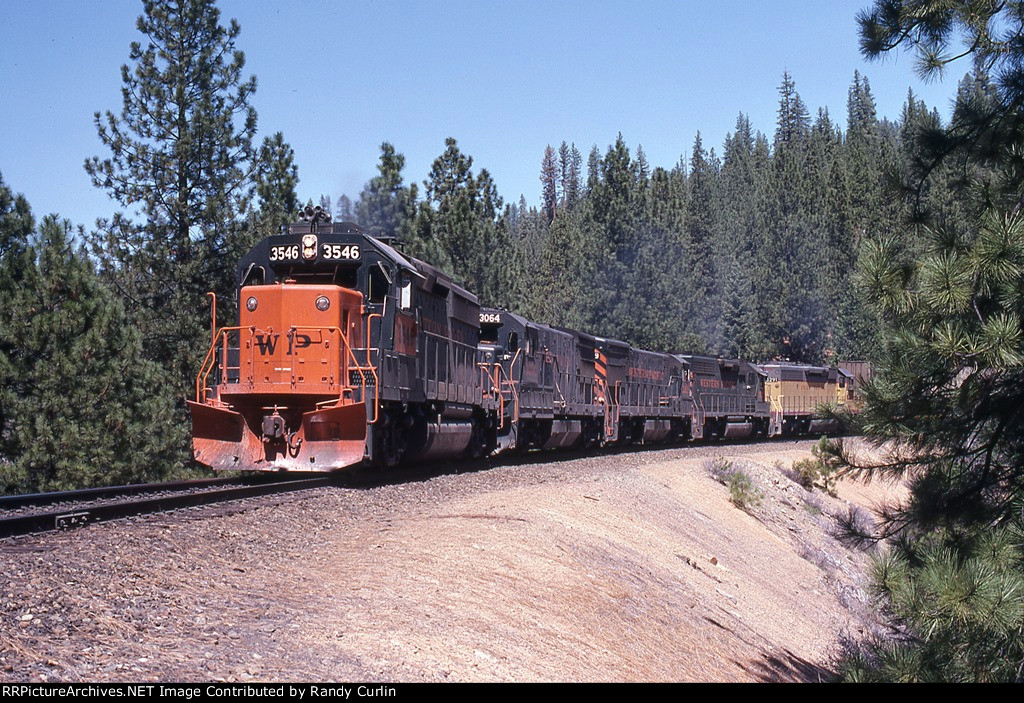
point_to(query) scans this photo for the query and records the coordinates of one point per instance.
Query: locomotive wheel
(388, 443)
(478, 440)
(591, 433)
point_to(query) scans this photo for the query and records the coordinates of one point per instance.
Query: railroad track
(69, 509)
(20, 514)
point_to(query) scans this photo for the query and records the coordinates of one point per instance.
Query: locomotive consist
(348, 351)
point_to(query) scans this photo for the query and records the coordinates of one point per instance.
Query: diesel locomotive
(346, 350)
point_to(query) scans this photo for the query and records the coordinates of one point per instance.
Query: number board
(328, 252)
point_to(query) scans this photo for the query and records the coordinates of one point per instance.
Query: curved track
(69, 509)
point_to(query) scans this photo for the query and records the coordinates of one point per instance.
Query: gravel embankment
(633, 566)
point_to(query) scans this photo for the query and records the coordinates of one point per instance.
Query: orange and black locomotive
(345, 350)
(348, 351)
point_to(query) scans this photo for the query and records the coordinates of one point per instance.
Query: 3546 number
(330, 252)
(284, 252)
(336, 252)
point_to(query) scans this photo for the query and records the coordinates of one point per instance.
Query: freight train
(347, 351)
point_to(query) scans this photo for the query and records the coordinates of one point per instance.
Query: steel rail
(33, 499)
(72, 517)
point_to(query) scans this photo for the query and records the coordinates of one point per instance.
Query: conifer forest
(897, 239)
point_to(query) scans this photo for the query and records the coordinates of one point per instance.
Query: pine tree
(325, 203)
(16, 226)
(946, 404)
(530, 238)
(564, 174)
(565, 286)
(344, 209)
(643, 168)
(794, 121)
(387, 207)
(738, 326)
(277, 176)
(864, 157)
(615, 220)
(788, 259)
(593, 168)
(508, 274)
(459, 224)
(78, 403)
(181, 154)
(660, 292)
(549, 181)
(572, 180)
(989, 121)
(743, 178)
(615, 199)
(702, 233)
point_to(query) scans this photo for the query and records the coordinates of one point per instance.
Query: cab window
(378, 284)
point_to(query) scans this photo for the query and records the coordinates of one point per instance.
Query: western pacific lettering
(267, 343)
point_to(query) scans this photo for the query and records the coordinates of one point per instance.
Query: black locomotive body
(388, 374)
(728, 398)
(547, 401)
(646, 393)
(347, 351)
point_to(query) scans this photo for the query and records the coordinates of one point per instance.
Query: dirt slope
(616, 568)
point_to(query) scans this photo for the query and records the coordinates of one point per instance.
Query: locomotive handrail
(369, 320)
(492, 375)
(496, 384)
(512, 386)
(699, 413)
(612, 408)
(558, 376)
(208, 363)
(777, 414)
(356, 367)
(210, 360)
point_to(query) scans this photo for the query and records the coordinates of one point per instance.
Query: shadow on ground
(787, 667)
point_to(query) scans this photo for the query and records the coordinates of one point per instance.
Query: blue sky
(505, 79)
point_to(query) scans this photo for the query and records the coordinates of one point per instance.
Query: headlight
(251, 304)
(322, 303)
